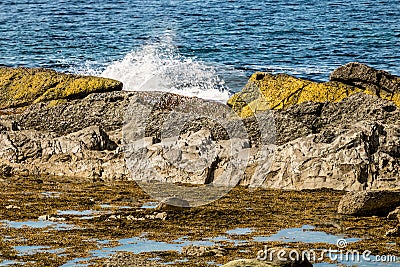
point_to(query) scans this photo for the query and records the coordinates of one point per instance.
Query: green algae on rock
(23, 86)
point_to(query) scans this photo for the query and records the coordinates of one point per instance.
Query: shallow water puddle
(10, 262)
(240, 231)
(75, 212)
(31, 250)
(39, 224)
(149, 205)
(77, 262)
(137, 245)
(303, 234)
(142, 244)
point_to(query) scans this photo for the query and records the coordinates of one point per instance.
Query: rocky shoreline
(348, 145)
(280, 133)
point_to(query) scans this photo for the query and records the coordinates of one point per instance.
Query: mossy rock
(268, 91)
(23, 86)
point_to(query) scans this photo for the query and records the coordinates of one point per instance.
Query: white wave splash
(159, 67)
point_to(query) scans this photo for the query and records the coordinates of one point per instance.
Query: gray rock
(363, 76)
(86, 153)
(350, 145)
(202, 251)
(352, 159)
(368, 203)
(173, 203)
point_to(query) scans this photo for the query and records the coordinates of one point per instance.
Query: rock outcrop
(349, 145)
(345, 159)
(368, 203)
(22, 86)
(377, 82)
(265, 91)
(352, 144)
(373, 203)
(88, 153)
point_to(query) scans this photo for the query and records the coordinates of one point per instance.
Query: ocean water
(206, 48)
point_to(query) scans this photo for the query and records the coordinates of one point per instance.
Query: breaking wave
(160, 67)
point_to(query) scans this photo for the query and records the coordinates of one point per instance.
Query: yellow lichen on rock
(373, 81)
(268, 91)
(396, 99)
(23, 86)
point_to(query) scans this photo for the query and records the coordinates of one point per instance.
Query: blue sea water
(199, 47)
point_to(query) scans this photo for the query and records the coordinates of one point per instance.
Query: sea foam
(160, 67)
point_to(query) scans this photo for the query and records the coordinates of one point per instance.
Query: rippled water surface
(214, 42)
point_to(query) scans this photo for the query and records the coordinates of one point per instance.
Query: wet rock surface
(368, 203)
(352, 144)
(91, 221)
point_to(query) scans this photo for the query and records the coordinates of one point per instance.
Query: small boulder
(393, 215)
(173, 203)
(201, 251)
(369, 203)
(161, 216)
